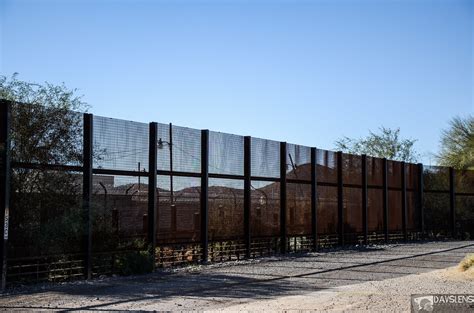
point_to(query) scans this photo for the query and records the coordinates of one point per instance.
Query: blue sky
(306, 72)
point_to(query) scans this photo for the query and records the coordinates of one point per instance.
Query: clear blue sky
(306, 72)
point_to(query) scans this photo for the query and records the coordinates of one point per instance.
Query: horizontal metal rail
(103, 171)
(52, 167)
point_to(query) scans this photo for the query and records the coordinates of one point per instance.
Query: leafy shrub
(135, 262)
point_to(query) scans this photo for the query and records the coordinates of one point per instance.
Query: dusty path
(390, 295)
(377, 278)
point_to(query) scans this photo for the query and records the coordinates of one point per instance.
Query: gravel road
(372, 278)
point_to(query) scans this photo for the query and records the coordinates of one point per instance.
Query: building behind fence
(184, 195)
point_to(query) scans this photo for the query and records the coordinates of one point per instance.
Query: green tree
(386, 143)
(457, 144)
(457, 151)
(45, 129)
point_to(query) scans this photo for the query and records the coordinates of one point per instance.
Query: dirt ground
(376, 278)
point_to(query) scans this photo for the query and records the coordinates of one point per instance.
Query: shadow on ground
(261, 279)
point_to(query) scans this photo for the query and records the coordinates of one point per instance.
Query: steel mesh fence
(394, 174)
(413, 208)
(413, 212)
(119, 220)
(226, 209)
(46, 223)
(375, 217)
(186, 149)
(464, 185)
(464, 181)
(164, 149)
(45, 135)
(179, 219)
(436, 200)
(265, 158)
(351, 169)
(394, 210)
(45, 205)
(48, 218)
(226, 154)
(436, 208)
(298, 162)
(436, 178)
(411, 176)
(352, 205)
(465, 216)
(327, 210)
(265, 209)
(120, 145)
(326, 166)
(374, 171)
(119, 212)
(375, 210)
(298, 212)
(352, 210)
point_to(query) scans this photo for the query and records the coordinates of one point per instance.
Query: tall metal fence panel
(84, 195)
(436, 200)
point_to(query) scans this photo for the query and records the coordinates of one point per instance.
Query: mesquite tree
(46, 128)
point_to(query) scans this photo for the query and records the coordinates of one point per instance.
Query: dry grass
(467, 264)
(464, 271)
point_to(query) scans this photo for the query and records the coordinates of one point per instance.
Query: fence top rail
(426, 168)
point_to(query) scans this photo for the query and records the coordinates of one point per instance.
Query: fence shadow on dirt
(279, 276)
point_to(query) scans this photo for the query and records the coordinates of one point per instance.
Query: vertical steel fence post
(87, 191)
(365, 224)
(205, 194)
(404, 202)
(283, 197)
(5, 124)
(152, 199)
(420, 200)
(314, 199)
(452, 203)
(385, 197)
(170, 132)
(340, 199)
(247, 193)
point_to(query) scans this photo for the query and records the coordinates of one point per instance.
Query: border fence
(83, 196)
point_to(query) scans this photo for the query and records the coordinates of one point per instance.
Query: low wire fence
(85, 195)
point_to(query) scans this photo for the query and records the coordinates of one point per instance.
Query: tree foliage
(457, 144)
(386, 143)
(45, 129)
(45, 126)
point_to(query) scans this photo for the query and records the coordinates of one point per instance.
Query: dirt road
(375, 278)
